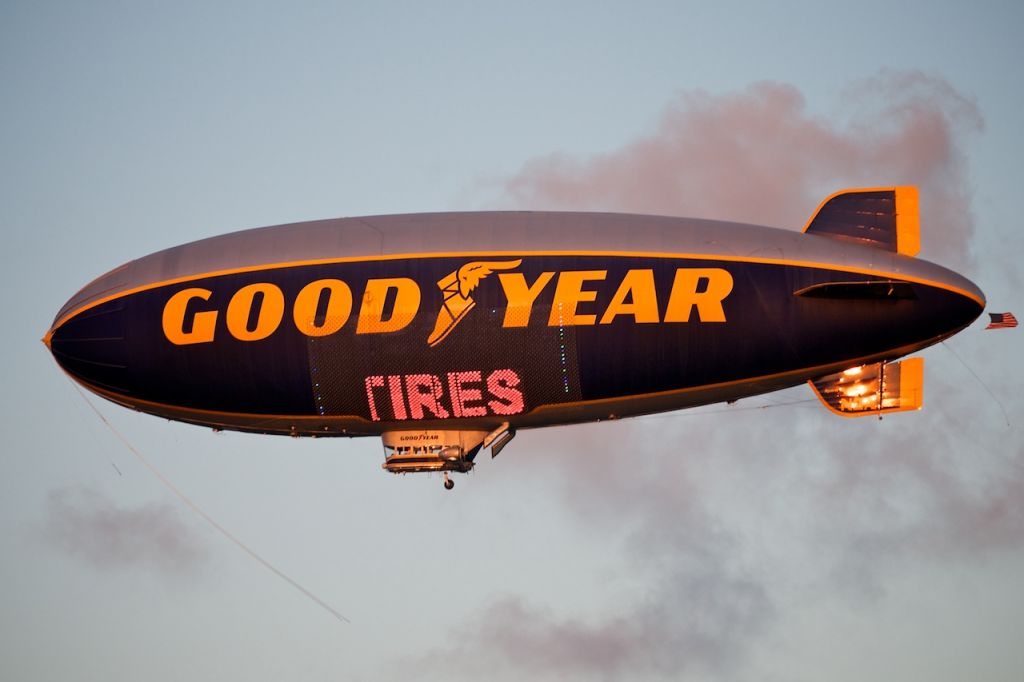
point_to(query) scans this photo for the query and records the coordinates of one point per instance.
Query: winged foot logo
(457, 287)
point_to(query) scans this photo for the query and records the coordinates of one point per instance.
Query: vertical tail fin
(883, 217)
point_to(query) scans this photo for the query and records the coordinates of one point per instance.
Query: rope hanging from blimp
(1006, 417)
(206, 517)
(732, 408)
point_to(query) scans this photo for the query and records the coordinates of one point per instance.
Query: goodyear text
(325, 306)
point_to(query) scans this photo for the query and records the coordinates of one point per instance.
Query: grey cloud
(759, 156)
(730, 518)
(88, 525)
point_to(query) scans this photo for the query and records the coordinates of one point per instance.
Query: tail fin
(884, 217)
(878, 388)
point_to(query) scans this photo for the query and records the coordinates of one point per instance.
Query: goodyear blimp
(443, 333)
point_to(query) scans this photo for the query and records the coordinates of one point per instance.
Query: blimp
(445, 333)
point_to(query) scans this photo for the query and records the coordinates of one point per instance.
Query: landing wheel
(448, 483)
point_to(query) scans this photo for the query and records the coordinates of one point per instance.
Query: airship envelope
(443, 333)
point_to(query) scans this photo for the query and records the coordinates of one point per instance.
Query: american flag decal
(1002, 321)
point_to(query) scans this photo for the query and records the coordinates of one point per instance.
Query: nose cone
(957, 301)
(91, 346)
(951, 311)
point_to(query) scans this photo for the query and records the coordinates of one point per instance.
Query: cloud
(729, 519)
(918, 495)
(701, 602)
(760, 156)
(86, 524)
(685, 626)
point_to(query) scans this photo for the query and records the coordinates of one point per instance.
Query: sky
(768, 540)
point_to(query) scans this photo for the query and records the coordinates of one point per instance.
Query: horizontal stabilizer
(883, 217)
(878, 388)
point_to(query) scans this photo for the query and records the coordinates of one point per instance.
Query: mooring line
(983, 384)
(206, 517)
